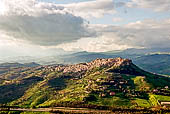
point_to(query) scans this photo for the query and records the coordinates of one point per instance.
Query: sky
(49, 27)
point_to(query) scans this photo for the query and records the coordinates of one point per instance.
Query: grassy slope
(55, 89)
(141, 84)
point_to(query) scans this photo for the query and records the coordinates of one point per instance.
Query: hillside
(152, 60)
(102, 82)
(157, 63)
(6, 67)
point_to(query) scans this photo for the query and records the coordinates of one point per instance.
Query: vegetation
(141, 84)
(157, 63)
(142, 103)
(125, 86)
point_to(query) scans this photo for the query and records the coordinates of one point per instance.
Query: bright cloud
(10, 47)
(141, 34)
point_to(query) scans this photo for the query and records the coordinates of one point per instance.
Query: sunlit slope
(102, 82)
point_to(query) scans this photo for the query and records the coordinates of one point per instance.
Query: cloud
(156, 5)
(41, 23)
(140, 34)
(63, 26)
(10, 47)
(95, 8)
(100, 44)
(117, 19)
(50, 24)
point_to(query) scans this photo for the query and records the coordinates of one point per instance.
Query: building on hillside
(166, 87)
(112, 93)
(165, 103)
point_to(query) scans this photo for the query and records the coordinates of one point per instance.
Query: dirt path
(63, 109)
(59, 110)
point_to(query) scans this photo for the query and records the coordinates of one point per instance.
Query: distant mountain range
(113, 82)
(142, 57)
(156, 63)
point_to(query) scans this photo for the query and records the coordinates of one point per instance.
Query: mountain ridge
(141, 57)
(114, 82)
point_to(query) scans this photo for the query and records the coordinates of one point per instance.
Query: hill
(157, 63)
(6, 67)
(102, 82)
(153, 62)
(160, 66)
